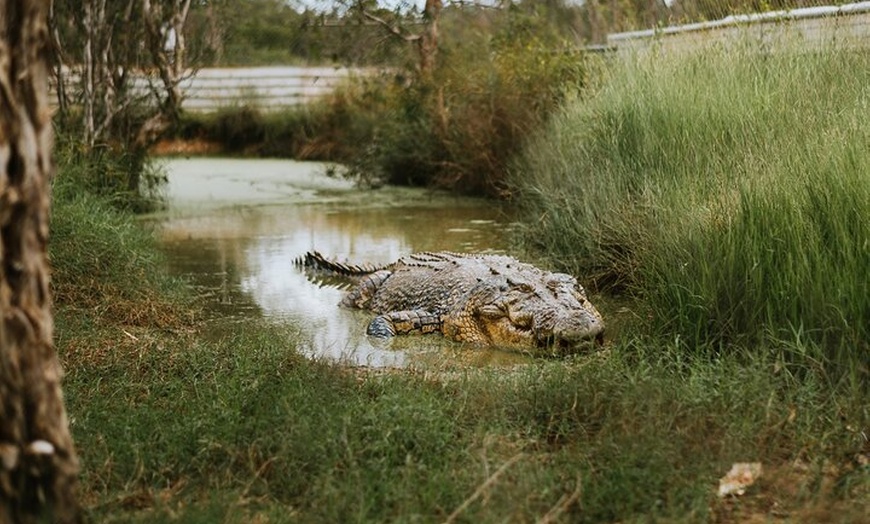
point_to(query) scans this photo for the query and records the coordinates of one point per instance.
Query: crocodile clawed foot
(381, 327)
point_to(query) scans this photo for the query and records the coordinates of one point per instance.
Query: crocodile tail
(315, 260)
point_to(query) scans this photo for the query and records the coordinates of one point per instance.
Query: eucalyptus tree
(38, 462)
(108, 51)
(426, 40)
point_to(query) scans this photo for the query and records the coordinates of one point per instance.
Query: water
(234, 227)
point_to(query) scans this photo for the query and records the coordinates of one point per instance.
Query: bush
(460, 129)
(495, 83)
(123, 177)
(321, 130)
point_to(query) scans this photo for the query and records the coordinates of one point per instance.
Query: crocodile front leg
(407, 322)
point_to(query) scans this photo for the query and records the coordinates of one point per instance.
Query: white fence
(266, 88)
(847, 24)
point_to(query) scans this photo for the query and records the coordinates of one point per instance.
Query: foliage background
(257, 32)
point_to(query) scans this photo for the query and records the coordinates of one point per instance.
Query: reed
(104, 264)
(728, 189)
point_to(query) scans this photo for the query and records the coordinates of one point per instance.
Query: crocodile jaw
(565, 335)
(579, 328)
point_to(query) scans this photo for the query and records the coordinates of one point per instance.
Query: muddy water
(234, 227)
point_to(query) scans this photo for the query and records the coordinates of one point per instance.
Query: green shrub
(496, 81)
(328, 129)
(460, 129)
(124, 178)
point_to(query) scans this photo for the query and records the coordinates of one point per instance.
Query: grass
(726, 188)
(107, 266)
(175, 424)
(176, 427)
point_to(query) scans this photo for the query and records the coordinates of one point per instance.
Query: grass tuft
(106, 265)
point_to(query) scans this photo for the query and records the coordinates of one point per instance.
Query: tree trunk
(169, 58)
(38, 464)
(429, 38)
(214, 35)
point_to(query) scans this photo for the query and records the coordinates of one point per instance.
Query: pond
(233, 228)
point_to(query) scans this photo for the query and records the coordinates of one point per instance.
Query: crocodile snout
(576, 329)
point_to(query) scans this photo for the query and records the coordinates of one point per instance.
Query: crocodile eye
(523, 287)
(522, 321)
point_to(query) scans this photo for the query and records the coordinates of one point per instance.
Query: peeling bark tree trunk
(38, 464)
(429, 38)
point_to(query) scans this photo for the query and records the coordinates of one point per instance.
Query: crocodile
(480, 299)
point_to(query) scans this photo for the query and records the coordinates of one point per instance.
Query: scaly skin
(478, 299)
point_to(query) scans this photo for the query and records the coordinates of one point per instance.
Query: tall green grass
(728, 188)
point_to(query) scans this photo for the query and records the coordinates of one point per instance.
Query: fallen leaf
(741, 476)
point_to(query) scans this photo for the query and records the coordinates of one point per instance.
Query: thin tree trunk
(88, 84)
(59, 74)
(214, 36)
(170, 61)
(38, 464)
(429, 38)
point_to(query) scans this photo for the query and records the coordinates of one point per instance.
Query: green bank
(734, 354)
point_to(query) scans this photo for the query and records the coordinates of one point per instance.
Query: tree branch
(392, 28)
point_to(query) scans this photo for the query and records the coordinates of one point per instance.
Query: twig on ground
(562, 505)
(483, 487)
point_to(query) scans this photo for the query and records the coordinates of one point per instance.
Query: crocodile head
(542, 309)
